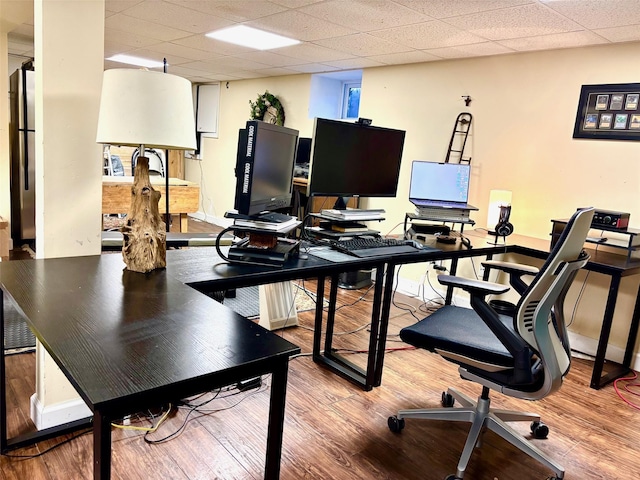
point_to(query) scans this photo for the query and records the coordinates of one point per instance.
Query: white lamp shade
(497, 199)
(141, 107)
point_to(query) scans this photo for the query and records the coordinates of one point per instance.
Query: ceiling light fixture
(131, 60)
(252, 37)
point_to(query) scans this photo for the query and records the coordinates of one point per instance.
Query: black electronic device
(431, 229)
(354, 160)
(264, 167)
(303, 152)
(446, 239)
(610, 219)
(504, 227)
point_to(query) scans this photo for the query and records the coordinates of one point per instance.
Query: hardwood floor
(334, 430)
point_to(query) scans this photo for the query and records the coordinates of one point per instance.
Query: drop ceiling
(339, 35)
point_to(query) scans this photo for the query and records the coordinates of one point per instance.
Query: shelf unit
(627, 241)
(412, 217)
(329, 234)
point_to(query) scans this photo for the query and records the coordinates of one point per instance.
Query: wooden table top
(122, 337)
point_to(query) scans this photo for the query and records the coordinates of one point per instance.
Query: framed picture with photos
(608, 112)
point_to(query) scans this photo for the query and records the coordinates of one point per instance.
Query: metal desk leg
(633, 332)
(597, 379)
(384, 324)
(101, 446)
(3, 383)
(331, 315)
(454, 268)
(277, 405)
(377, 325)
(317, 335)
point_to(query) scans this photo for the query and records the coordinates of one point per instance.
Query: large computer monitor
(264, 167)
(354, 160)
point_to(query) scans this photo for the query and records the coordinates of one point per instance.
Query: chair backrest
(156, 161)
(533, 320)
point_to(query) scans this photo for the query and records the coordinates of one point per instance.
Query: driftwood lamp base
(144, 245)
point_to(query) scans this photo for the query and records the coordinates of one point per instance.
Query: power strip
(249, 384)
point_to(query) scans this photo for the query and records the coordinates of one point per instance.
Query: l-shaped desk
(127, 340)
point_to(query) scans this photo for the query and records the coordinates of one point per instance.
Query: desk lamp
(498, 214)
(142, 108)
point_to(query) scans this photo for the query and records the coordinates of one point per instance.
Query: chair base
(481, 416)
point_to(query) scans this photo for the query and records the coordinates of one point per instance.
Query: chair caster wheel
(447, 400)
(395, 424)
(539, 430)
(452, 477)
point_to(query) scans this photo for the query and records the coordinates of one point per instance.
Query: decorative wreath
(267, 108)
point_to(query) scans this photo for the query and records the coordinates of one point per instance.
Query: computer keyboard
(373, 246)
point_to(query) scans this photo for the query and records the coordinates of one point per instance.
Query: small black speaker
(504, 228)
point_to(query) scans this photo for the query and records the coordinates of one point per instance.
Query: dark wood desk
(128, 341)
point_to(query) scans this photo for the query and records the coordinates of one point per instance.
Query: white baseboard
(579, 343)
(57, 414)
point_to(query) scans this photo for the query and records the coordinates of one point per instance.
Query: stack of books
(280, 224)
(354, 214)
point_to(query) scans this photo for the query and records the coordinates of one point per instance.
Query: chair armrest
(475, 286)
(511, 267)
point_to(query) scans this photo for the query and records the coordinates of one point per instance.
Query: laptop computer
(440, 185)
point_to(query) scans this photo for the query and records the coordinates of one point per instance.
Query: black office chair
(524, 356)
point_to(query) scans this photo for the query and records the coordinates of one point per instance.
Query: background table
(184, 196)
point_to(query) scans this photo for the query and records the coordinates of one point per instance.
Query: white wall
(524, 108)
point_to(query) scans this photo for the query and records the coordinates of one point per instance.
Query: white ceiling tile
(188, 72)
(211, 45)
(272, 59)
(295, 24)
(131, 39)
(177, 50)
(630, 33)
(363, 44)
(176, 16)
(158, 55)
(454, 8)
(314, 53)
(353, 63)
(365, 15)
(119, 5)
(125, 23)
(295, 3)
(589, 14)
(474, 50)
(276, 72)
(234, 10)
(313, 68)
(428, 35)
(224, 64)
(415, 56)
(515, 22)
(558, 40)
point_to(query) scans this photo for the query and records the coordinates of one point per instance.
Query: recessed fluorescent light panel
(252, 38)
(141, 62)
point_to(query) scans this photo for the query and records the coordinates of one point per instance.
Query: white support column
(69, 51)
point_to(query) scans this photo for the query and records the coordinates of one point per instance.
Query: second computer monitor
(354, 160)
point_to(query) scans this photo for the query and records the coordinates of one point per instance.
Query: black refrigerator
(23, 165)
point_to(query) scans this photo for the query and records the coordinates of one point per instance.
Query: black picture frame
(610, 100)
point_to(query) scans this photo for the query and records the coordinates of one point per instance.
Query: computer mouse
(414, 243)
